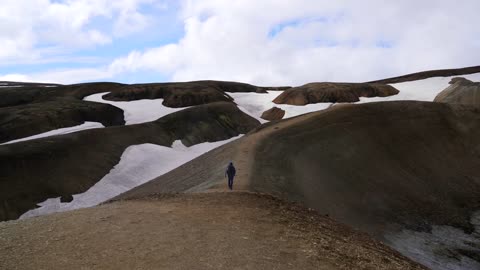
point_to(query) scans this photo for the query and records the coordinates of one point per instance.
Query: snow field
(138, 165)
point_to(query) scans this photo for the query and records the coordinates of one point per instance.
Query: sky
(263, 42)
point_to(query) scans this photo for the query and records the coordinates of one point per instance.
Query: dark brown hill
(333, 92)
(408, 163)
(34, 109)
(35, 118)
(461, 91)
(33, 171)
(183, 94)
(373, 165)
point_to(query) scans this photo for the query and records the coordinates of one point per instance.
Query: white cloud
(274, 42)
(317, 40)
(27, 26)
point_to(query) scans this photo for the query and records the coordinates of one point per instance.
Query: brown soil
(196, 231)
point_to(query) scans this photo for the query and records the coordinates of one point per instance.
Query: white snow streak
(137, 111)
(138, 165)
(61, 131)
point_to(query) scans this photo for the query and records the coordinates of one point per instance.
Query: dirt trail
(232, 230)
(245, 153)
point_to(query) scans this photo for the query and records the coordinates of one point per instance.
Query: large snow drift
(61, 131)
(138, 164)
(137, 111)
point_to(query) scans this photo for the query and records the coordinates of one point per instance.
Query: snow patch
(61, 131)
(138, 165)
(254, 104)
(443, 249)
(137, 111)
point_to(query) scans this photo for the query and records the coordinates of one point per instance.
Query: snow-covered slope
(61, 131)
(138, 164)
(422, 90)
(137, 111)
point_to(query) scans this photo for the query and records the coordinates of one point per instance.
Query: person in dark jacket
(230, 173)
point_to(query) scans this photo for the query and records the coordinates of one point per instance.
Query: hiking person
(230, 173)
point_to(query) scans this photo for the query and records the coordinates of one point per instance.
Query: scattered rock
(66, 198)
(273, 114)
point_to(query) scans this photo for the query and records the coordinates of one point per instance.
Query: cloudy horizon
(263, 42)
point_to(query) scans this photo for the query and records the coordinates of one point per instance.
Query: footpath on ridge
(219, 230)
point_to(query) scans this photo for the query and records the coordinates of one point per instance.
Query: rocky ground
(216, 230)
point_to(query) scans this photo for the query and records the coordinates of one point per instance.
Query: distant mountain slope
(23, 84)
(429, 74)
(27, 109)
(178, 94)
